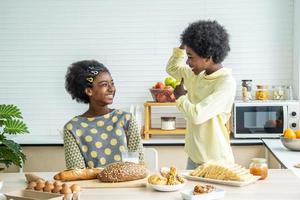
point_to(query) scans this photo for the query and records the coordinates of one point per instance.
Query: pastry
(78, 174)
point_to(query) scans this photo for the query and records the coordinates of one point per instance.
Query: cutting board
(95, 183)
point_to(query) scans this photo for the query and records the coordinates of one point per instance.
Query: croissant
(78, 174)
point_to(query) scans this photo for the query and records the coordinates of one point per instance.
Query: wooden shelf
(148, 130)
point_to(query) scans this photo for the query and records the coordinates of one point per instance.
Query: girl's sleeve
(73, 156)
(134, 139)
(176, 66)
(220, 101)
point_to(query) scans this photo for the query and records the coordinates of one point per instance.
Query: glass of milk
(130, 156)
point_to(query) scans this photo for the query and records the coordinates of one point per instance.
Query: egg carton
(39, 195)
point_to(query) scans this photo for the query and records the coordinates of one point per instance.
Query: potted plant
(11, 124)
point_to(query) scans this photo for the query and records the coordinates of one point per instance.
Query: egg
(57, 183)
(75, 188)
(66, 190)
(48, 187)
(57, 189)
(31, 185)
(39, 185)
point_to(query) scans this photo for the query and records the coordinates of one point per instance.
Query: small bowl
(290, 143)
(167, 188)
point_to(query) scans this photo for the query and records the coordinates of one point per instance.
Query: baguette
(78, 174)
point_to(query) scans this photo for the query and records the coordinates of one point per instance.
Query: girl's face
(103, 90)
(196, 63)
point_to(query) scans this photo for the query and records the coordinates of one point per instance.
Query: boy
(210, 91)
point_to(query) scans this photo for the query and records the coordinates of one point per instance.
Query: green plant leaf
(11, 153)
(9, 111)
(15, 126)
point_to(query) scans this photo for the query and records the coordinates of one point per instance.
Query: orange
(297, 132)
(289, 133)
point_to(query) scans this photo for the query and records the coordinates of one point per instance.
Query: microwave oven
(264, 119)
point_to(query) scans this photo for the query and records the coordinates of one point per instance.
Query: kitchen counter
(280, 184)
(285, 157)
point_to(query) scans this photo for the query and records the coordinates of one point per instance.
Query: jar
(289, 93)
(246, 90)
(259, 167)
(278, 92)
(168, 123)
(261, 92)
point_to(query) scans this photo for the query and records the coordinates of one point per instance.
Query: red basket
(162, 95)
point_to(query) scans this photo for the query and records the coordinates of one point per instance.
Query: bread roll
(122, 171)
(78, 174)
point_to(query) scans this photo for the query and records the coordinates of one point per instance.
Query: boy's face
(196, 63)
(103, 90)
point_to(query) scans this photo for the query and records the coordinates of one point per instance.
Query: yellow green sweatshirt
(206, 108)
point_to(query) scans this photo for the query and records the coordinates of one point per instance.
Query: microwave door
(259, 121)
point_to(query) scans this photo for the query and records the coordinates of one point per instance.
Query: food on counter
(78, 174)
(289, 133)
(222, 171)
(297, 132)
(203, 189)
(259, 167)
(122, 171)
(39, 185)
(49, 186)
(166, 177)
(70, 192)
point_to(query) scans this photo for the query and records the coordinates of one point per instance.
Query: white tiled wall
(133, 38)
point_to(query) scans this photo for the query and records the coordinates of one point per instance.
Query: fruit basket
(162, 95)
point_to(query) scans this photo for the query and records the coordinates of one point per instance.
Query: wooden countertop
(280, 184)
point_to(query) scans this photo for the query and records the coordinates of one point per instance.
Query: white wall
(39, 39)
(296, 47)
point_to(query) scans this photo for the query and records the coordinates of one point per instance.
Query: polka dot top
(98, 141)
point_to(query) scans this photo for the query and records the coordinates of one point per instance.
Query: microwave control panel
(293, 116)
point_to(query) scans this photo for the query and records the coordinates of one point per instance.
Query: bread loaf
(122, 171)
(78, 174)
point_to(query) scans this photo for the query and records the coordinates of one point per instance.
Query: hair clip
(94, 72)
(91, 67)
(90, 79)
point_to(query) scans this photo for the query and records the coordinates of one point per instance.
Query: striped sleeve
(134, 139)
(73, 156)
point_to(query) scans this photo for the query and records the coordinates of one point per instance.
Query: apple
(169, 81)
(159, 85)
(175, 84)
(173, 98)
(161, 97)
(169, 89)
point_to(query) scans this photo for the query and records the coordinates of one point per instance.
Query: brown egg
(39, 185)
(66, 190)
(57, 183)
(48, 187)
(31, 185)
(57, 189)
(75, 188)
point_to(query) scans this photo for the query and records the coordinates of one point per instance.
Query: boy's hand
(182, 46)
(179, 90)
